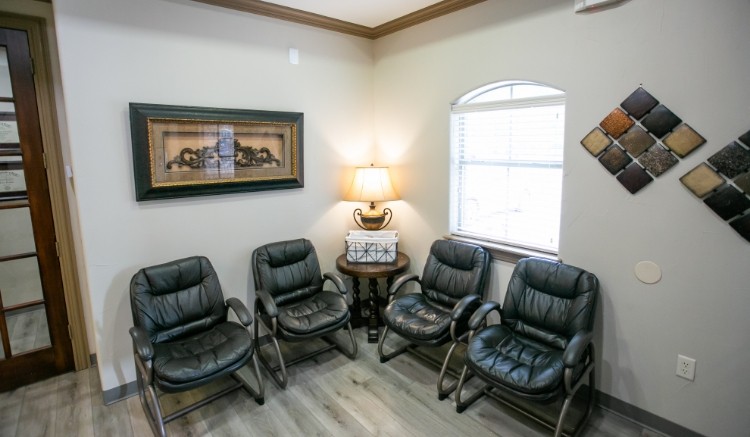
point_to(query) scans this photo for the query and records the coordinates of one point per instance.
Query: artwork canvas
(188, 151)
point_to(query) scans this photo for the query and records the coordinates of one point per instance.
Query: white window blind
(506, 165)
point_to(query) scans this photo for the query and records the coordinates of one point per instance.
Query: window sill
(504, 252)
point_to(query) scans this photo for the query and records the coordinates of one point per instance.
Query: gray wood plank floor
(329, 395)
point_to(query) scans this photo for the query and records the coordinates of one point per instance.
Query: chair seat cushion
(314, 314)
(202, 355)
(415, 317)
(498, 355)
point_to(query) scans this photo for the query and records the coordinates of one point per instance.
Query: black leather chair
(182, 338)
(542, 349)
(291, 302)
(450, 290)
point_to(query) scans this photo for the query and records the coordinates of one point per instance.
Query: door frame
(35, 28)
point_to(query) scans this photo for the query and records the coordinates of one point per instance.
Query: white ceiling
(370, 13)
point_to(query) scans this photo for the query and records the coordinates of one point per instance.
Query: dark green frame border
(141, 112)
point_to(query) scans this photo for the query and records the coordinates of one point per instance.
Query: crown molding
(426, 14)
(285, 13)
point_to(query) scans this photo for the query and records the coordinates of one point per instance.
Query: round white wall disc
(648, 272)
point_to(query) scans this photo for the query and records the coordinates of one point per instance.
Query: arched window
(506, 164)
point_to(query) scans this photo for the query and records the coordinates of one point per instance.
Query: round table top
(373, 270)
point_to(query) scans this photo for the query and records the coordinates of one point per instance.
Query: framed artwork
(181, 151)
(12, 180)
(9, 142)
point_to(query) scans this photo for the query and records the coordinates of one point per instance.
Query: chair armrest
(267, 301)
(239, 308)
(463, 305)
(400, 281)
(576, 348)
(481, 313)
(337, 281)
(142, 344)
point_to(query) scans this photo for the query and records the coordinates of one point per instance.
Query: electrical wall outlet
(686, 367)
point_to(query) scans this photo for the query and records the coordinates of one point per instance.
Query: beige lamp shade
(371, 184)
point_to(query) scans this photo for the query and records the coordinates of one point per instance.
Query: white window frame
(507, 249)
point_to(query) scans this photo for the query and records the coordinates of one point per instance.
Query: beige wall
(692, 55)
(186, 53)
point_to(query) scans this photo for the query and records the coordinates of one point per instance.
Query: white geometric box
(371, 246)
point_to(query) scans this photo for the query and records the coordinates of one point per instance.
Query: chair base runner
(278, 373)
(443, 391)
(154, 412)
(558, 427)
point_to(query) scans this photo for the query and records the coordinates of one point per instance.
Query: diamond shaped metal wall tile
(683, 140)
(743, 181)
(702, 179)
(728, 202)
(745, 138)
(634, 178)
(596, 141)
(616, 123)
(742, 226)
(636, 141)
(615, 159)
(657, 160)
(639, 103)
(660, 121)
(732, 160)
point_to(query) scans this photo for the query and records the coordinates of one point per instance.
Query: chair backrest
(549, 301)
(177, 299)
(453, 270)
(288, 270)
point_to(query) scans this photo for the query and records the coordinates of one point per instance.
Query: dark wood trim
(11, 204)
(426, 14)
(43, 79)
(21, 306)
(17, 256)
(285, 13)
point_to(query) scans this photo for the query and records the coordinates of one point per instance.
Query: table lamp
(371, 184)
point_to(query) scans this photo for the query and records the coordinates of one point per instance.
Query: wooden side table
(372, 272)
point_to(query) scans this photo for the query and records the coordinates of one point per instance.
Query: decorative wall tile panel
(728, 202)
(731, 160)
(743, 181)
(616, 123)
(683, 140)
(634, 177)
(702, 180)
(638, 126)
(596, 141)
(660, 121)
(615, 159)
(639, 103)
(742, 226)
(636, 141)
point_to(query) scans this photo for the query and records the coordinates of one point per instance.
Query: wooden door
(33, 320)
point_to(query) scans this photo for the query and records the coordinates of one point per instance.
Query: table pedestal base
(372, 272)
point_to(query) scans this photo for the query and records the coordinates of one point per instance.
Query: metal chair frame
(146, 383)
(458, 310)
(570, 386)
(279, 372)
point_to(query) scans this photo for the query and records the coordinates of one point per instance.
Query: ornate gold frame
(183, 151)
